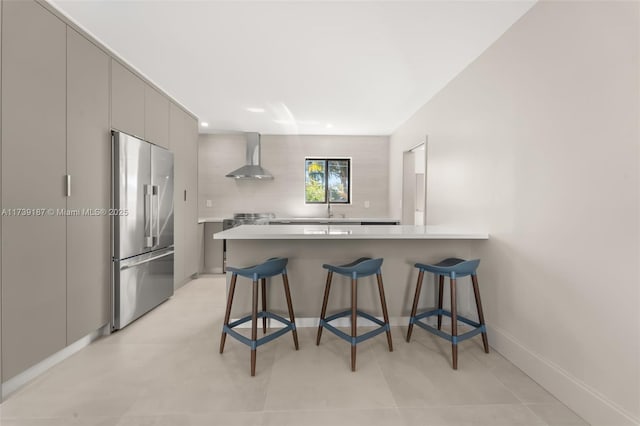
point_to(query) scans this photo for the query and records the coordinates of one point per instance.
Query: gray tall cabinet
(190, 153)
(1, 1)
(176, 132)
(34, 257)
(61, 94)
(183, 138)
(89, 166)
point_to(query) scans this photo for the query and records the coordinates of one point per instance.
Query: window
(327, 178)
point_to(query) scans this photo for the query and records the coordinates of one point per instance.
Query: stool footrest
(253, 344)
(354, 340)
(477, 327)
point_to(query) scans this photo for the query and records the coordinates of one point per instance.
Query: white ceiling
(315, 67)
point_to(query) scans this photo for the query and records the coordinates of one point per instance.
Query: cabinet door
(184, 143)
(156, 117)
(176, 132)
(127, 100)
(33, 168)
(201, 248)
(213, 249)
(88, 164)
(191, 202)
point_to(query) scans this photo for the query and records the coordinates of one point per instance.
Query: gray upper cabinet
(127, 101)
(156, 118)
(88, 164)
(137, 108)
(33, 166)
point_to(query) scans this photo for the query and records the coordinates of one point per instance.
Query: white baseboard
(16, 382)
(587, 402)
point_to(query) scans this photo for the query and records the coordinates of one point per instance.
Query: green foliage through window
(315, 181)
(327, 177)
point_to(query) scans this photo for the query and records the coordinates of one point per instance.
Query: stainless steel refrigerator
(142, 227)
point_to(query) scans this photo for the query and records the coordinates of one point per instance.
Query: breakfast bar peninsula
(308, 247)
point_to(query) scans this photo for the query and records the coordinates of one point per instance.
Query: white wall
(284, 157)
(538, 142)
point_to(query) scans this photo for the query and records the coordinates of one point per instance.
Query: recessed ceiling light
(282, 121)
(329, 125)
(252, 109)
(204, 124)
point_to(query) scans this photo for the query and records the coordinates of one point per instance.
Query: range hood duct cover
(252, 168)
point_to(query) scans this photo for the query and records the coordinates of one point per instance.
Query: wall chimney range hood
(252, 168)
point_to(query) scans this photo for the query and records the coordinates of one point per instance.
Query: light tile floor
(165, 370)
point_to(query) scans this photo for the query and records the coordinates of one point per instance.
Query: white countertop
(210, 219)
(349, 232)
(312, 219)
(334, 219)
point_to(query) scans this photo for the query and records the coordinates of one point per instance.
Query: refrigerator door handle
(148, 216)
(156, 193)
(147, 260)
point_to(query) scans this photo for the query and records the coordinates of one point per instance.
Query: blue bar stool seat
(269, 268)
(362, 267)
(453, 268)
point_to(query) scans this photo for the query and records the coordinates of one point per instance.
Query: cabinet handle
(67, 185)
(185, 195)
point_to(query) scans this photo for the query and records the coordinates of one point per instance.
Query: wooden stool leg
(385, 314)
(292, 318)
(476, 292)
(440, 288)
(254, 325)
(454, 323)
(354, 319)
(415, 302)
(264, 304)
(227, 313)
(323, 312)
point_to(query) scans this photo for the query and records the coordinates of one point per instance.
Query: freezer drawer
(140, 284)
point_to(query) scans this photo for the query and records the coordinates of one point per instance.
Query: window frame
(326, 179)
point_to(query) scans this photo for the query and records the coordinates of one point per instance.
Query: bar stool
(453, 268)
(269, 268)
(362, 267)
